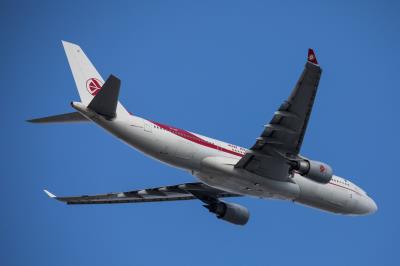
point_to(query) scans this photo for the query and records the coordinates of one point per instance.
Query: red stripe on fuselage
(345, 188)
(193, 138)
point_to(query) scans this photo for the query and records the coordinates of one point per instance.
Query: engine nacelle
(230, 212)
(317, 171)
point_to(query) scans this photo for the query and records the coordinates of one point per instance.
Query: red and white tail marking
(88, 81)
(311, 57)
(93, 86)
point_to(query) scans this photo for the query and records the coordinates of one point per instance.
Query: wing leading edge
(282, 137)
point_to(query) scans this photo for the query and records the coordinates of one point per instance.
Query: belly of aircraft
(253, 187)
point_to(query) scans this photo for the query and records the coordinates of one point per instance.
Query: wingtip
(49, 194)
(311, 57)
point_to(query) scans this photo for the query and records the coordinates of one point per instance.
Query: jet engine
(230, 212)
(314, 170)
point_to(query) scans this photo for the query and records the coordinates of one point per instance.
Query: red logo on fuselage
(93, 86)
(322, 168)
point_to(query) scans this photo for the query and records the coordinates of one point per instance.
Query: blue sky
(219, 68)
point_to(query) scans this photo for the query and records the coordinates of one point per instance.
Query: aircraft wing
(186, 191)
(282, 137)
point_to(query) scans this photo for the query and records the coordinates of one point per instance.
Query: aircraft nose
(366, 205)
(372, 206)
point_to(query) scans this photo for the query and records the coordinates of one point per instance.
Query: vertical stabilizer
(88, 81)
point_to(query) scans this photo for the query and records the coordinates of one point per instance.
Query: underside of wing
(186, 191)
(282, 137)
(230, 212)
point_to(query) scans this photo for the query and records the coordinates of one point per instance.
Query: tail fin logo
(93, 86)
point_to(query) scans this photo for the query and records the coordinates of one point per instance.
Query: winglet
(51, 195)
(311, 57)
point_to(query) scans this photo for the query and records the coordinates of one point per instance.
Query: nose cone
(372, 206)
(366, 206)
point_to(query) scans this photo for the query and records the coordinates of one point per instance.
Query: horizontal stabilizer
(63, 118)
(106, 100)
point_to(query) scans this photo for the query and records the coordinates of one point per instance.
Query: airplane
(272, 168)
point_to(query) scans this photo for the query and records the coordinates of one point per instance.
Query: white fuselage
(213, 161)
